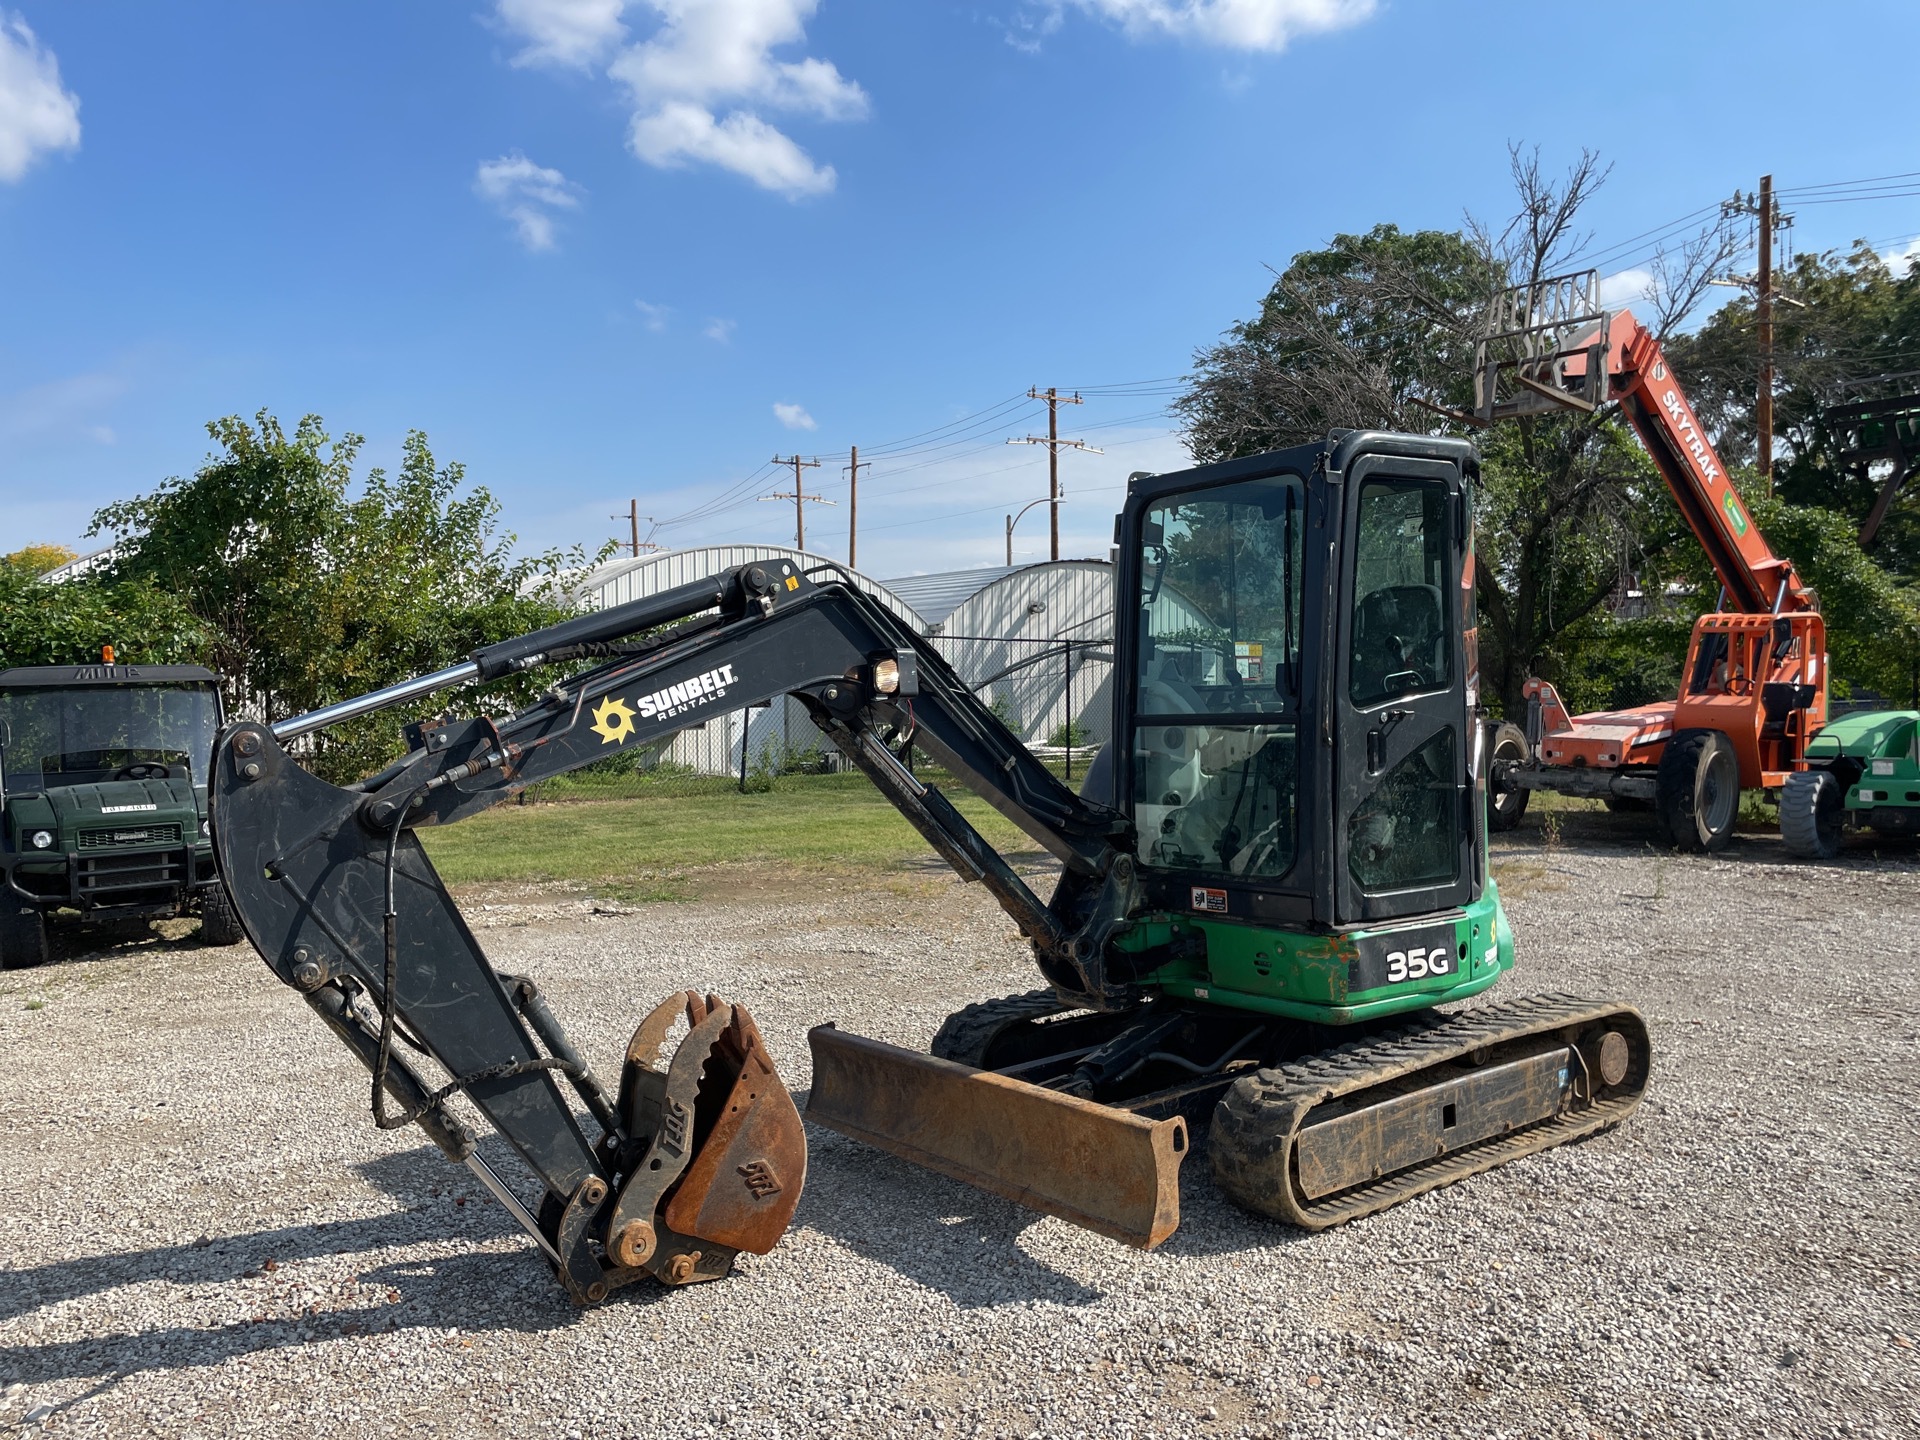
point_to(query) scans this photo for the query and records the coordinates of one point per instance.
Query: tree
(66, 624)
(38, 559)
(1848, 320)
(309, 592)
(1361, 333)
(1379, 330)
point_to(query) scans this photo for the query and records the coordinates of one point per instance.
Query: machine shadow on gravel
(936, 1232)
(964, 1243)
(477, 1290)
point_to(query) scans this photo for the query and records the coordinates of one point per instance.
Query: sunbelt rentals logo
(613, 717)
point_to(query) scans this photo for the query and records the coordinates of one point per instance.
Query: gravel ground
(206, 1236)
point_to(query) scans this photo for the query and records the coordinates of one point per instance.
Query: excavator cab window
(1403, 834)
(1215, 699)
(1401, 643)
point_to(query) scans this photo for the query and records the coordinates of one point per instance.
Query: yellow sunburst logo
(612, 720)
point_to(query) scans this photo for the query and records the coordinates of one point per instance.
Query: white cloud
(37, 114)
(1627, 288)
(1268, 25)
(1025, 31)
(526, 193)
(699, 84)
(678, 132)
(571, 33)
(721, 330)
(1900, 261)
(794, 417)
(655, 316)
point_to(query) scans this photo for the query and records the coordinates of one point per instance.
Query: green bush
(1072, 733)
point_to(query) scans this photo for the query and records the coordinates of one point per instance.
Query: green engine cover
(1338, 978)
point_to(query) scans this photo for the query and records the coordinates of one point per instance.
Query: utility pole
(1766, 212)
(1763, 311)
(799, 500)
(1054, 445)
(853, 510)
(633, 517)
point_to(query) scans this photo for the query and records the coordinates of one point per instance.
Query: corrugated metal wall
(1009, 639)
(1046, 632)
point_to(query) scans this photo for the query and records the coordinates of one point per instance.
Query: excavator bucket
(1110, 1170)
(722, 1156)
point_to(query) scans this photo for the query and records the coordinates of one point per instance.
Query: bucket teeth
(716, 1155)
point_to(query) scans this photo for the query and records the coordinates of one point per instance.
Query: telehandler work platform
(1275, 872)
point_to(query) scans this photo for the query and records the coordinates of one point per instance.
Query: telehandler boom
(1754, 687)
(1276, 872)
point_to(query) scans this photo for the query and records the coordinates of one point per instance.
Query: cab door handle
(1377, 739)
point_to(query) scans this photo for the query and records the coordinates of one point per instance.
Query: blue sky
(599, 250)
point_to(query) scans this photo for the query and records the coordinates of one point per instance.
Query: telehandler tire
(23, 937)
(1812, 809)
(1505, 803)
(219, 921)
(1698, 795)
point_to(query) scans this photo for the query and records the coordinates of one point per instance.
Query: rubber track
(1257, 1121)
(968, 1034)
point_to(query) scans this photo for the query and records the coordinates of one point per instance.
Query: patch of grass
(645, 889)
(828, 822)
(36, 1004)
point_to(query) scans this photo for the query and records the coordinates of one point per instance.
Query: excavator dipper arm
(705, 1157)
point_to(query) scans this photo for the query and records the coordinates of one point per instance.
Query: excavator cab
(1311, 591)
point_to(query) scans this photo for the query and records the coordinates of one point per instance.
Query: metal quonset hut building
(1035, 640)
(714, 747)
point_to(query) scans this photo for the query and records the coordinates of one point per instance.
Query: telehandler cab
(1276, 873)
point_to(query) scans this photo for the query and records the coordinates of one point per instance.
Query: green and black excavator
(1270, 881)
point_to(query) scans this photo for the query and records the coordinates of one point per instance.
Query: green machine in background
(1863, 772)
(103, 800)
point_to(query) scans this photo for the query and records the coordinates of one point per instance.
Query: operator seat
(1165, 691)
(1397, 628)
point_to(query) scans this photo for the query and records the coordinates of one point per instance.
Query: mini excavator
(1269, 882)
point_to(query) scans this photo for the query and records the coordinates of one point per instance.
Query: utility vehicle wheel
(219, 921)
(1698, 790)
(1812, 806)
(23, 938)
(1506, 802)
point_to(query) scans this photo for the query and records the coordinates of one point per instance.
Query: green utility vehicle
(103, 775)
(1863, 772)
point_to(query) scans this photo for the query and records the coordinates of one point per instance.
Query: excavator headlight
(896, 674)
(41, 839)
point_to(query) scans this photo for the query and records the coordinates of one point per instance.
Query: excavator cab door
(1403, 819)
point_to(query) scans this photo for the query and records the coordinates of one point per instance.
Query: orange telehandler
(1753, 690)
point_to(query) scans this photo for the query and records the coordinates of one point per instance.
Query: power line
(800, 500)
(1054, 445)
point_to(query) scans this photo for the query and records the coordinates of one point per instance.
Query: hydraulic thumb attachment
(700, 1152)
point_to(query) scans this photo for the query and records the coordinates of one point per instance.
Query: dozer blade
(1331, 1137)
(1110, 1170)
